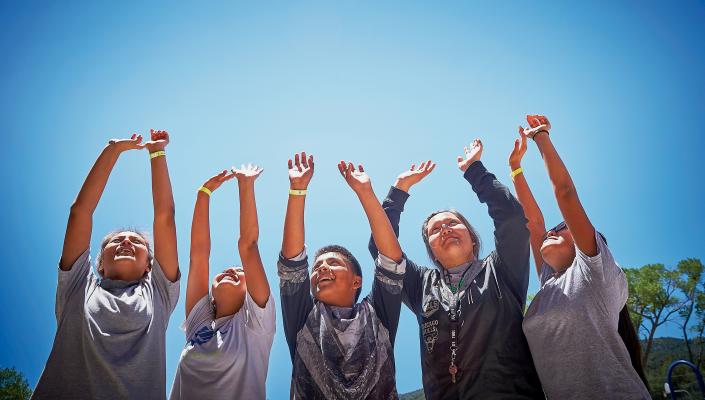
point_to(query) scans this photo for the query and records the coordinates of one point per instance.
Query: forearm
(165, 250)
(294, 231)
(200, 228)
(249, 226)
(393, 206)
(80, 223)
(382, 232)
(162, 196)
(536, 224)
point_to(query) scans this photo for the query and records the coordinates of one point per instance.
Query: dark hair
(473, 234)
(106, 239)
(630, 338)
(347, 255)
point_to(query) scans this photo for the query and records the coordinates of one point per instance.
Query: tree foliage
(13, 385)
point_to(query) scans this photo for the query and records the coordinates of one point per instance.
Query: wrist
(298, 187)
(402, 186)
(514, 166)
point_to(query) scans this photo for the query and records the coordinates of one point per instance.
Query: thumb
(460, 159)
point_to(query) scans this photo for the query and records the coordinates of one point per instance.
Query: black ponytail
(631, 341)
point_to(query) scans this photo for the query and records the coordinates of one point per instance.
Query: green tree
(690, 284)
(13, 385)
(653, 298)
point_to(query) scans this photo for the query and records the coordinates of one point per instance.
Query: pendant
(452, 370)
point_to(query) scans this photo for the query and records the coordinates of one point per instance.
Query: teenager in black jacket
(470, 310)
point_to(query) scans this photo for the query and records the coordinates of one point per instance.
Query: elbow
(247, 243)
(165, 214)
(565, 192)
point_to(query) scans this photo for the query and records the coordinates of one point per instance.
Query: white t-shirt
(225, 357)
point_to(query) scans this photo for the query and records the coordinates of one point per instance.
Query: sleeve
(260, 320)
(295, 292)
(603, 268)
(413, 278)
(201, 315)
(165, 290)
(386, 292)
(72, 284)
(511, 234)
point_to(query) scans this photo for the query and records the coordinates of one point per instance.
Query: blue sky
(382, 84)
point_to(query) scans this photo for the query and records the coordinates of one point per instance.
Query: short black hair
(347, 255)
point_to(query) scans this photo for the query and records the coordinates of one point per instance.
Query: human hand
(214, 182)
(412, 176)
(300, 171)
(247, 173)
(158, 142)
(538, 123)
(518, 151)
(472, 154)
(357, 179)
(133, 143)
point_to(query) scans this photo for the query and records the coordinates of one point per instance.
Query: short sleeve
(261, 320)
(546, 273)
(166, 290)
(201, 315)
(72, 283)
(604, 266)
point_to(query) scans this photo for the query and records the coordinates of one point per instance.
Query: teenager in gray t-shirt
(572, 323)
(111, 325)
(229, 335)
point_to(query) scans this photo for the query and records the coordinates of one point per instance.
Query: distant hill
(663, 352)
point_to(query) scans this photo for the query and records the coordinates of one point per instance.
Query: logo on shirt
(430, 307)
(430, 334)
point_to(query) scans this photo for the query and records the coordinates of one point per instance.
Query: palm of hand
(472, 154)
(133, 143)
(214, 182)
(247, 172)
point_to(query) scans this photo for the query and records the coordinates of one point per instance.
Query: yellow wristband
(516, 172)
(295, 192)
(157, 154)
(205, 190)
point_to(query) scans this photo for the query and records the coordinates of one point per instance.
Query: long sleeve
(413, 277)
(511, 234)
(386, 292)
(295, 292)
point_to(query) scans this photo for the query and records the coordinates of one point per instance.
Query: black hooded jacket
(493, 357)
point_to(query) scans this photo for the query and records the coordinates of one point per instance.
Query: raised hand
(300, 171)
(414, 175)
(472, 154)
(538, 123)
(518, 151)
(133, 143)
(247, 173)
(158, 142)
(357, 179)
(215, 181)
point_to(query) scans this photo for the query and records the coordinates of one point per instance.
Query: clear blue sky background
(381, 83)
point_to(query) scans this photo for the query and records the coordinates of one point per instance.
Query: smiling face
(449, 240)
(228, 290)
(124, 256)
(558, 248)
(333, 281)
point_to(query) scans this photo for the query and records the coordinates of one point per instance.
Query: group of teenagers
(575, 340)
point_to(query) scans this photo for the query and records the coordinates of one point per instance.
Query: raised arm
(393, 205)
(300, 173)
(567, 196)
(164, 223)
(536, 225)
(198, 272)
(382, 232)
(511, 234)
(80, 224)
(257, 285)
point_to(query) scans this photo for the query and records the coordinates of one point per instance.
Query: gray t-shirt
(110, 336)
(225, 358)
(571, 327)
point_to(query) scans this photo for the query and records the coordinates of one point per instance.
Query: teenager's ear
(357, 282)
